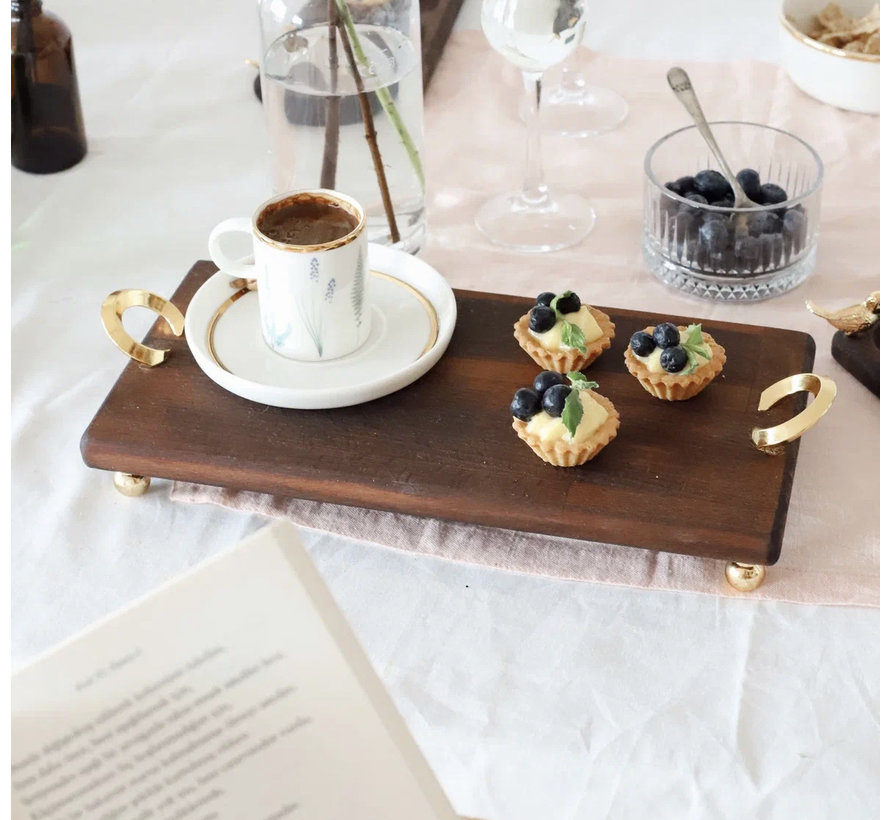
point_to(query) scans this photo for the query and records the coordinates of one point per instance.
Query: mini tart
(573, 454)
(565, 361)
(677, 386)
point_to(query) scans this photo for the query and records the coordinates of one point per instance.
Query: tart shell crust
(565, 361)
(677, 387)
(573, 454)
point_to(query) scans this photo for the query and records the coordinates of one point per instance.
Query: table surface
(531, 697)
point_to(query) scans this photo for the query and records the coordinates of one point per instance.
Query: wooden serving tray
(680, 477)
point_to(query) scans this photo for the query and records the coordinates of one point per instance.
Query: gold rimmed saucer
(412, 314)
(246, 288)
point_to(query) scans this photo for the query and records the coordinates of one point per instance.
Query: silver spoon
(681, 85)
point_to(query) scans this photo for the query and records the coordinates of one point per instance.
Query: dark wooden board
(680, 477)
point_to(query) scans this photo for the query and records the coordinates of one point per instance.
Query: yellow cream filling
(548, 428)
(552, 339)
(653, 360)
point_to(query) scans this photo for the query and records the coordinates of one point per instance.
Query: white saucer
(413, 314)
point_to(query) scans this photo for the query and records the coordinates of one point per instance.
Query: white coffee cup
(313, 297)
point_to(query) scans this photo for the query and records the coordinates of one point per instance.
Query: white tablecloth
(531, 697)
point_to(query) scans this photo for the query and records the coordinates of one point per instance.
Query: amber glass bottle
(47, 124)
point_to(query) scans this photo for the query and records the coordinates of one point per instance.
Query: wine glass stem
(534, 189)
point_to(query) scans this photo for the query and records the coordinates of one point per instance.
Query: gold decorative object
(852, 319)
(771, 440)
(744, 577)
(112, 312)
(131, 485)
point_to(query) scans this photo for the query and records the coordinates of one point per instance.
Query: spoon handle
(681, 85)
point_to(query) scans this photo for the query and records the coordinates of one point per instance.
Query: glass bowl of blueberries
(694, 239)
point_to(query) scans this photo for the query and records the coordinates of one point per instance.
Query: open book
(236, 692)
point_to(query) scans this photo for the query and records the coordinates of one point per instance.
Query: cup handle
(233, 267)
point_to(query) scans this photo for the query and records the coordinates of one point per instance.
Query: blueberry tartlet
(562, 419)
(674, 363)
(561, 334)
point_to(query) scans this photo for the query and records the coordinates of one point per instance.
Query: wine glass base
(581, 112)
(512, 221)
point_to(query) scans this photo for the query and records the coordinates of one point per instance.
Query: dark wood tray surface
(680, 477)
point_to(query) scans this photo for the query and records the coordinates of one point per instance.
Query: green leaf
(580, 382)
(572, 412)
(696, 348)
(693, 336)
(573, 336)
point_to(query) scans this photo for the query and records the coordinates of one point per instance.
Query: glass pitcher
(343, 94)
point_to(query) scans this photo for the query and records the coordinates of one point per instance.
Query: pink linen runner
(475, 148)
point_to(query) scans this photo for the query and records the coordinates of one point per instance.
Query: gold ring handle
(770, 439)
(112, 318)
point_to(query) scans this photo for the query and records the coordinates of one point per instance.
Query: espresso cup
(310, 262)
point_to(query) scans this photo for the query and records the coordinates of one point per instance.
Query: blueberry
(546, 379)
(525, 404)
(669, 205)
(642, 343)
(714, 235)
(771, 248)
(674, 188)
(545, 298)
(772, 194)
(747, 251)
(541, 319)
(673, 359)
(696, 198)
(686, 185)
(712, 185)
(568, 303)
(687, 220)
(666, 335)
(555, 399)
(764, 222)
(749, 179)
(794, 227)
(724, 203)
(716, 215)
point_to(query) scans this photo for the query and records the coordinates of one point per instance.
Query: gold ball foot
(131, 485)
(744, 577)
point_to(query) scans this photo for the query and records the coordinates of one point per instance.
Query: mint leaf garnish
(573, 336)
(580, 382)
(572, 412)
(696, 347)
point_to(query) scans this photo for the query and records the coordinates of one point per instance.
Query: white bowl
(844, 79)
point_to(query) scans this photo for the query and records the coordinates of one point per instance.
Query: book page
(236, 692)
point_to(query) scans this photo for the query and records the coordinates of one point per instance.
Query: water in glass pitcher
(299, 80)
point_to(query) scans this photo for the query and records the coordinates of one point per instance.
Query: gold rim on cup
(346, 202)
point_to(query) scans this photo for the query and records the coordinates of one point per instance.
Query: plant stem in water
(370, 135)
(332, 106)
(383, 95)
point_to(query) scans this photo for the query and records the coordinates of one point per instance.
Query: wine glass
(534, 35)
(575, 107)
